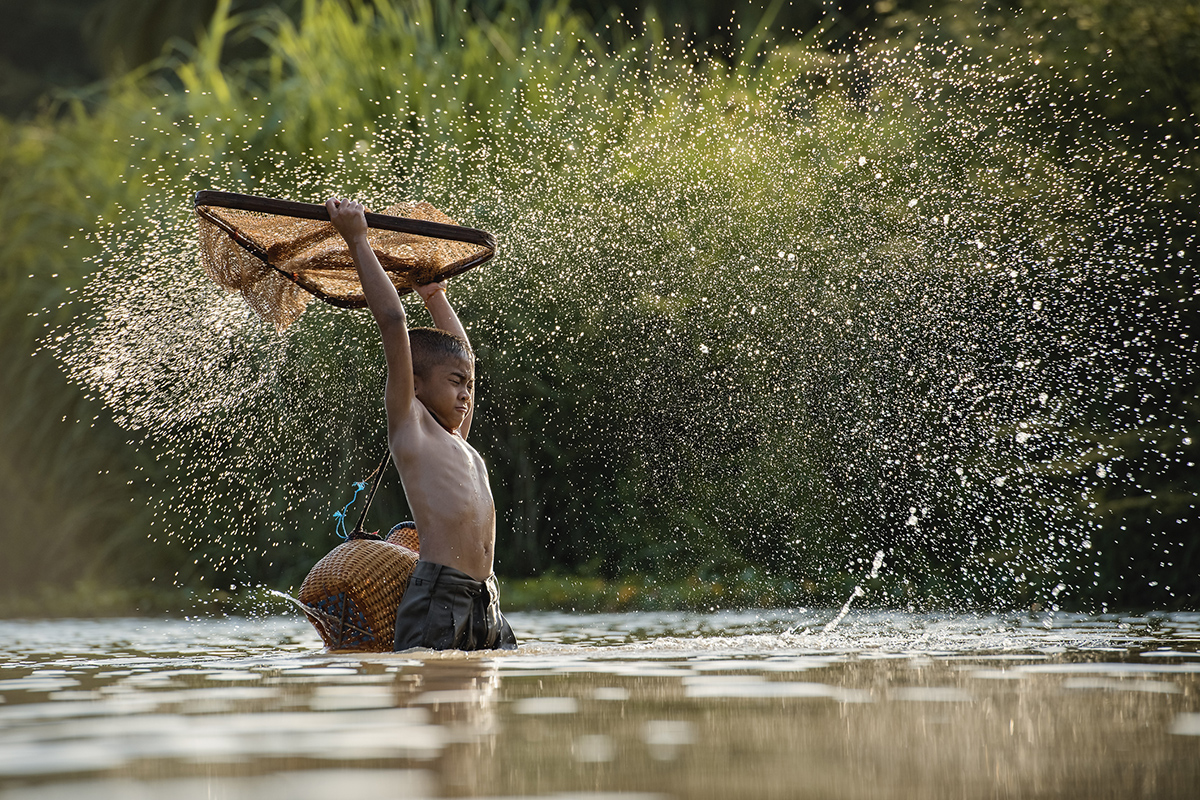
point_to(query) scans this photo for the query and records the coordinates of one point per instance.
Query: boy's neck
(449, 430)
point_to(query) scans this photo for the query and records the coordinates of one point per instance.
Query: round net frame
(280, 254)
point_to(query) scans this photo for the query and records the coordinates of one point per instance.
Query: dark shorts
(446, 609)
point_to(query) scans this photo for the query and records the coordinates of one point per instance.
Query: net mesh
(279, 263)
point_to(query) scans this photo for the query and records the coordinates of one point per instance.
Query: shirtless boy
(451, 601)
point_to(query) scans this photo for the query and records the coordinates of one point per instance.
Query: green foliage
(70, 510)
(696, 397)
(555, 590)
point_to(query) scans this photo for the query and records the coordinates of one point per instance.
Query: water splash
(825, 307)
(858, 592)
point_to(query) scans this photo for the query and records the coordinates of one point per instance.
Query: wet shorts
(446, 609)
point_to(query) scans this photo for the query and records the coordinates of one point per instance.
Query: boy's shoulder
(421, 430)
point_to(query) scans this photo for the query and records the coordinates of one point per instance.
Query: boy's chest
(444, 458)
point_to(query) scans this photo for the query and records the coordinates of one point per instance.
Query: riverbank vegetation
(735, 407)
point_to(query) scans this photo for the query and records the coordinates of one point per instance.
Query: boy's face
(448, 391)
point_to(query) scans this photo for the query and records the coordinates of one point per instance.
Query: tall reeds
(749, 313)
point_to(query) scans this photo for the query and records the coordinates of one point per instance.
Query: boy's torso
(446, 483)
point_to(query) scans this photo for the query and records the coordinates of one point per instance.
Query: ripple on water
(369, 784)
(641, 696)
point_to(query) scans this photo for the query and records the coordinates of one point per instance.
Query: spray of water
(815, 309)
(876, 565)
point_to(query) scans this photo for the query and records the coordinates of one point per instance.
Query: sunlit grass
(737, 308)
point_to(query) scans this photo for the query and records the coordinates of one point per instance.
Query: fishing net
(281, 254)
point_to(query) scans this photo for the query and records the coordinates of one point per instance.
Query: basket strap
(375, 478)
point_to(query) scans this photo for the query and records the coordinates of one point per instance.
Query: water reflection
(461, 696)
(668, 705)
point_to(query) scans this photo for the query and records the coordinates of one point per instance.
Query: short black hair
(431, 346)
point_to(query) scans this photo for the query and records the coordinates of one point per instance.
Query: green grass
(642, 194)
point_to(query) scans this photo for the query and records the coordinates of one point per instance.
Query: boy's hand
(428, 290)
(347, 216)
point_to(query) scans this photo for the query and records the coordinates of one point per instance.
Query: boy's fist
(347, 216)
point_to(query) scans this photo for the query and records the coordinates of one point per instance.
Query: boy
(451, 601)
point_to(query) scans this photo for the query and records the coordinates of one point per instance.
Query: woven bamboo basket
(350, 596)
(405, 535)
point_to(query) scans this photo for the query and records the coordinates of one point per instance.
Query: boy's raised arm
(347, 216)
(444, 319)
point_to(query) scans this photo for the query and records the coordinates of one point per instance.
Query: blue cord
(340, 516)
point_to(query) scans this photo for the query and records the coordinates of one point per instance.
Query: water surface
(748, 704)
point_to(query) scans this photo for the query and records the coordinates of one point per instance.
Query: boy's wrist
(426, 296)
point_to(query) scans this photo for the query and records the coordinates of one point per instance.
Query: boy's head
(443, 374)
(431, 347)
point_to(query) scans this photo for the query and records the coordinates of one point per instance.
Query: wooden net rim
(289, 208)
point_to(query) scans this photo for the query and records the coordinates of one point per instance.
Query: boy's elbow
(391, 318)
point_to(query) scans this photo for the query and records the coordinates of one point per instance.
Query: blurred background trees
(79, 84)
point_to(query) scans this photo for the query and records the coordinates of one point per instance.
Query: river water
(639, 705)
